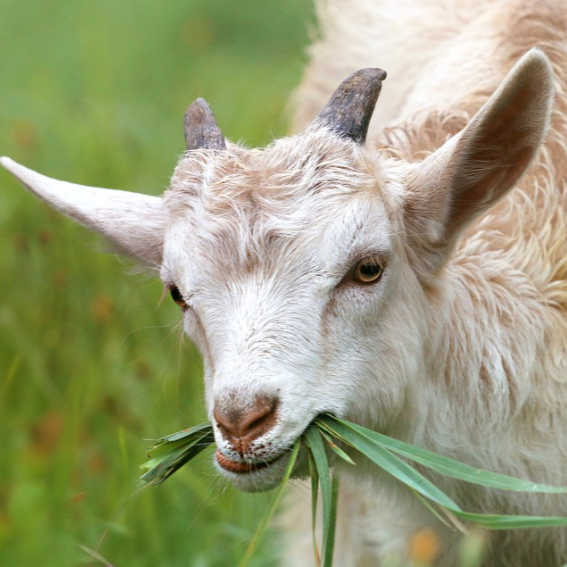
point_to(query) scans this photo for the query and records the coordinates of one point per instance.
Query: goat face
(311, 273)
(287, 264)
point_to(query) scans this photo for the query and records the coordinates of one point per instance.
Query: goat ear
(476, 168)
(133, 221)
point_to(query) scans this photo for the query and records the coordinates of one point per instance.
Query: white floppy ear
(477, 167)
(133, 221)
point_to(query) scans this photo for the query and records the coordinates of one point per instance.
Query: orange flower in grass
(423, 547)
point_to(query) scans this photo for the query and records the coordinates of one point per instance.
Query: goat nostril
(259, 421)
(245, 425)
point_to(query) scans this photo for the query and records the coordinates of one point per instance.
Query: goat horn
(350, 109)
(201, 128)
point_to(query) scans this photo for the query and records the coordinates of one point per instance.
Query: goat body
(410, 275)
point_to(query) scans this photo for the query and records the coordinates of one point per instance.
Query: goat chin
(258, 481)
(266, 478)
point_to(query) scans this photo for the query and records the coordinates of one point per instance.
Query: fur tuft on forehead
(276, 177)
(244, 201)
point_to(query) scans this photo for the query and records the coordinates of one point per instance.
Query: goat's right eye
(368, 270)
(177, 297)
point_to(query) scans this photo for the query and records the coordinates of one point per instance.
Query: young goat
(411, 278)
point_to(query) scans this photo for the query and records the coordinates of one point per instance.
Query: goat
(409, 275)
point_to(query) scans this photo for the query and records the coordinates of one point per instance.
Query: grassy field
(91, 363)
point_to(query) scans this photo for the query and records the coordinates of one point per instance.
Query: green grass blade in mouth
(375, 446)
(314, 499)
(503, 522)
(392, 464)
(205, 427)
(329, 492)
(170, 453)
(332, 523)
(328, 438)
(166, 464)
(441, 513)
(268, 516)
(181, 438)
(445, 465)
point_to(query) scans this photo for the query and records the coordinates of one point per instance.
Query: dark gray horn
(350, 109)
(201, 128)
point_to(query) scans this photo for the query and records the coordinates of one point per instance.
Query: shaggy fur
(461, 347)
(501, 354)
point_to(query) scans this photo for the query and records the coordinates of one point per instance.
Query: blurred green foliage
(91, 363)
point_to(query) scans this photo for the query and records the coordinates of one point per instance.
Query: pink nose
(241, 426)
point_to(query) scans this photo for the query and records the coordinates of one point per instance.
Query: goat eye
(368, 271)
(177, 297)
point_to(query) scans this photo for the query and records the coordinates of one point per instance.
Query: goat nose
(242, 425)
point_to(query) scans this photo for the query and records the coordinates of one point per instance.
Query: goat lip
(237, 467)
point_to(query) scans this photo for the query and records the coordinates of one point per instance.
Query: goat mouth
(237, 467)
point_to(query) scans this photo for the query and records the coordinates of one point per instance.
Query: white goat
(327, 273)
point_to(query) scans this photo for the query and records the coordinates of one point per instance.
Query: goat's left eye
(369, 270)
(177, 297)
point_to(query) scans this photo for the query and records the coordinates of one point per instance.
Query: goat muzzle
(242, 425)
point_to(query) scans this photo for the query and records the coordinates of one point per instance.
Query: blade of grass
(95, 555)
(173, 451)
(359, 436)
(205, 427)
(162, 452)
(314, 499)
(268, 516)
(317, 447)
(446, 465)
(336, 448)
(438, 513)
(503, 522)
(180, 439)
(392, 464)
(168, 463)
(332, 527)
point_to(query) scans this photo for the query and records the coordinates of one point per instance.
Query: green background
(91, 361)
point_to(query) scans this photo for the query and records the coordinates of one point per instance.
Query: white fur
(462, 346)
